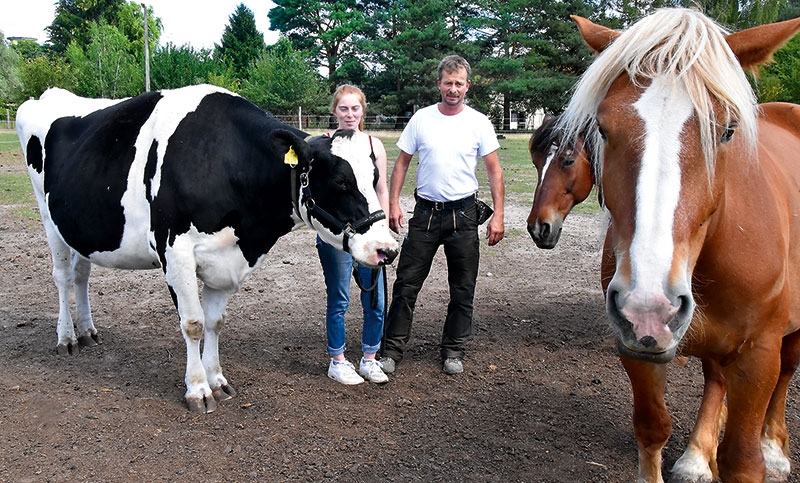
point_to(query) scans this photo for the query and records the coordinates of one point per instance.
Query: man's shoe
(452, 366)
(344, 372)
(388, 364)
(371, 370)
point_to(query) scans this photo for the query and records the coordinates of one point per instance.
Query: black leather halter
(348, 229)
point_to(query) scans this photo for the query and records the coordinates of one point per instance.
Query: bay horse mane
(672, 43)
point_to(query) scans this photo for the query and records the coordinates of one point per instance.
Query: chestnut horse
(566, 177)
(702, 253)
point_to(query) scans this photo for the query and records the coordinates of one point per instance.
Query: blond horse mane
(677, 43)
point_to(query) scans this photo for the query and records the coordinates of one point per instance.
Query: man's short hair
(453, 63)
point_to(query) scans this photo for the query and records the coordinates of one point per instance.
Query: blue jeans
(337, 266)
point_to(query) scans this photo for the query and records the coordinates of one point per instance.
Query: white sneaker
(372, 370)
(343, 371)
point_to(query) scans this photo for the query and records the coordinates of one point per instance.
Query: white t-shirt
(449, 147)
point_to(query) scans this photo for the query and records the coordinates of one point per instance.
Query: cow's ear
(290, 148)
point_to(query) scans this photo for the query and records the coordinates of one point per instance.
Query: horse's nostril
(648, 341)
(544, 229)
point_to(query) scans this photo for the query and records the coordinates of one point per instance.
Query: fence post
(8, 118)
(300, 118)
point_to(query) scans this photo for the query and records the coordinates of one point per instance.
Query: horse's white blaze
(550, 155)
(664, 107)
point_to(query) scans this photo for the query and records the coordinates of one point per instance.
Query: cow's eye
(727, 135)
(341, 184)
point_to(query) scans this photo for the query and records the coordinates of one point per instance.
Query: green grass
(15, 188)
(8, 141)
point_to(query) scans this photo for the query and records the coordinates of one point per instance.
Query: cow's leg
(651, 421)
(699, 462)
(214, 303)
(180, 270)
(775, 436)
(87, 333)
(64, 280)
(751, 380)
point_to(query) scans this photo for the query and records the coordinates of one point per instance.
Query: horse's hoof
(224, 392)
(201, 405)
(67, 349)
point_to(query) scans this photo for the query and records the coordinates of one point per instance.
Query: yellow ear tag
(291, 157)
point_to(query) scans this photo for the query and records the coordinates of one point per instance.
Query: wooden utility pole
(146, 52)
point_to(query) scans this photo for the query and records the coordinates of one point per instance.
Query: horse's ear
(754, 46)
(597, 36)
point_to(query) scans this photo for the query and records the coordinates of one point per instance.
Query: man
(449, 137)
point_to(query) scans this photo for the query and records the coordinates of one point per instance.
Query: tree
(323, 27)
(242, 44)
(172, 67)
(780, 81)
(9, 71)
(739, 15)
(411, 38)
(130, 21)
(108, 66)
(73, 18)
(283, 80)
(43, 72)
(27, 49)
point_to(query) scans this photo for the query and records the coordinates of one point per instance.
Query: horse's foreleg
(180, 269)
(699, 462)
(775, 436)
(87, 333)
(214, 303)
(651, 421)
(751, 381)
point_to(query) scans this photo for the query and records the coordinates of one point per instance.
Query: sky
(199, 23)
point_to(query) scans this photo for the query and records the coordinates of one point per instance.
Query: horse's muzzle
(545, 235)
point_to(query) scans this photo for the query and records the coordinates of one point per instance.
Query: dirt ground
(543, 397)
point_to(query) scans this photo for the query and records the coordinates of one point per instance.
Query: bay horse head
(566, 177)
(668, 107)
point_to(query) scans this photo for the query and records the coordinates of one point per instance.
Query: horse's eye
(567, 162)
(728, 134)
(602, 134)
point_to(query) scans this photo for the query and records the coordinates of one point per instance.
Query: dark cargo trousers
(453, 225)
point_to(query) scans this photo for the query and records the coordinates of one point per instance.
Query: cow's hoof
(224, 392)
(70, 349)
(89, 340)
(202, 405)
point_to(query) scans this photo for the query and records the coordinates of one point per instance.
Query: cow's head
(335, 192)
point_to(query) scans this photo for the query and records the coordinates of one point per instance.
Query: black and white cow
(199, 182)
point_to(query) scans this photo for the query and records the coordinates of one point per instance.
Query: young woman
(348, 106)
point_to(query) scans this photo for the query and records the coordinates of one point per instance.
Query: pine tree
(242, 44)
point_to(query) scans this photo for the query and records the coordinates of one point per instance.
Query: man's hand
(495, 230)
(395, 217)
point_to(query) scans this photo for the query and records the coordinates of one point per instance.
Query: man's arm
(395, 186)
(495, 230)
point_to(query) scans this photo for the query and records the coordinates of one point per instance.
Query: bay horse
(565, 178)
(701, 256)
